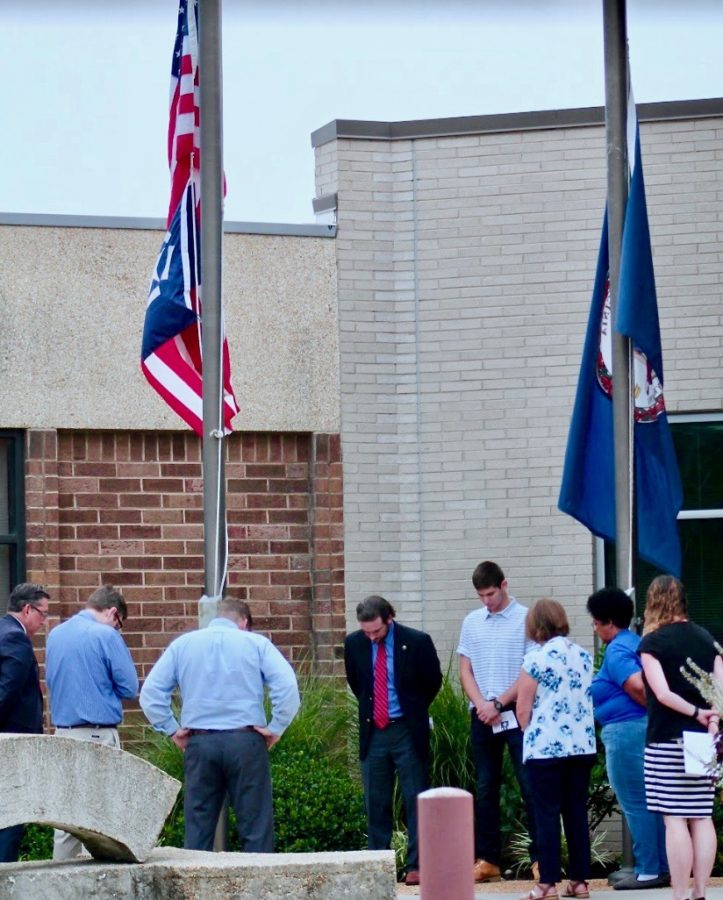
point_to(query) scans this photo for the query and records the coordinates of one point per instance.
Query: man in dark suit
(21, 702)
(394, 673)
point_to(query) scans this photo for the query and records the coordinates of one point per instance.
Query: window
(12, 514)
(699, 446)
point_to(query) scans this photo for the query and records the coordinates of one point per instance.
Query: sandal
(578, 889)
(540, 892)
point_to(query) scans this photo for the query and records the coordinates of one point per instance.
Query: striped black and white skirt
(669, 790)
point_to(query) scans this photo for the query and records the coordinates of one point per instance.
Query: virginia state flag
(588, 480)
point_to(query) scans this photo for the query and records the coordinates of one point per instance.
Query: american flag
(171, 350)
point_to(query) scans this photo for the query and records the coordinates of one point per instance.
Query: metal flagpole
(209, 50)
(616, 104)
(214, 487)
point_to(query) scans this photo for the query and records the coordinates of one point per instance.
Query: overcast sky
(85, 85)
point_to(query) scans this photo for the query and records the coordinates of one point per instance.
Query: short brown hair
(546, 619)
(231, 608)
(106, 597)
(26, 594)
(374, 607)
(665, 602)
(486, 575)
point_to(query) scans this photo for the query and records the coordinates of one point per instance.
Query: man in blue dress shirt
(89, 671)
(222, 672)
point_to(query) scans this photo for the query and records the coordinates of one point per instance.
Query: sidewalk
(599, 890)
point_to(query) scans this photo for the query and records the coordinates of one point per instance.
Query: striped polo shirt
(495, 644)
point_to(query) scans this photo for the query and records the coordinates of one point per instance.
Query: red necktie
(381, 693)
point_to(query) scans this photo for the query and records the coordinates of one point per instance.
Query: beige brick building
(465, 254)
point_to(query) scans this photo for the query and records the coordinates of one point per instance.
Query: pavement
(599, 890)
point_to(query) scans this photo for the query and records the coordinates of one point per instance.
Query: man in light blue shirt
(89, 671)
(222, 672)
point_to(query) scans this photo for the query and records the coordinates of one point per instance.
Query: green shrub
(317, 804)
(37, 843)
(450, 748)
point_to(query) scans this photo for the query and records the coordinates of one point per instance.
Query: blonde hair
(546, 619)
(665, 602)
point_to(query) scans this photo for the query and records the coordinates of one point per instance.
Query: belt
(394, 721)
(89, 725)
(195, 731)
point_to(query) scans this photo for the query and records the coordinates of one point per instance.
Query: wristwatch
(498, 705)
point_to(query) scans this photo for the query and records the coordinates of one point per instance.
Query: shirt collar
(222, 622)
(389, 639)
(505, 613)
(19, 622)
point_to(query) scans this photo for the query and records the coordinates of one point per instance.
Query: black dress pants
(234, 763)
(560, 788)
(391, 750)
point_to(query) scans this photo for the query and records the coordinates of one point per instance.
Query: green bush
(37, 843)
(317, 804)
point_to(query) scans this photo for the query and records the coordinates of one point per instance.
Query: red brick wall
(126, 508)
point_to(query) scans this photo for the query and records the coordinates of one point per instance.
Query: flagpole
(616, 104)
(214, 484)
(616, 100)
(211, 128)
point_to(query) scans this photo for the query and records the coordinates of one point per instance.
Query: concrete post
(446, 844)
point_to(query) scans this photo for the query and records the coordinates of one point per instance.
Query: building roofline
(51, 220)
(520, 121)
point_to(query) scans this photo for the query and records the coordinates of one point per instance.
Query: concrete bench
(172, 874)
(112, 801)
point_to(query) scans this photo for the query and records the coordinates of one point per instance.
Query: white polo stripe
(495, 645)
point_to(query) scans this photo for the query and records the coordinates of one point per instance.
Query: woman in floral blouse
(554, 707)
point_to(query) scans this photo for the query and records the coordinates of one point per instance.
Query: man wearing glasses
(21, 702)
(89, 671)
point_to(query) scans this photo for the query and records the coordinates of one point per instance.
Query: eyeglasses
(43, 612)
(118, 622)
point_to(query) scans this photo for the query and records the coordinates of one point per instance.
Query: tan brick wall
(126, 508)
(465, 265)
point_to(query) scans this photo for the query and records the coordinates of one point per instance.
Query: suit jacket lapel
(366, 659)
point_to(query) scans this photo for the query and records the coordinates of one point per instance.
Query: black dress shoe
(619, 874)
(632, 883)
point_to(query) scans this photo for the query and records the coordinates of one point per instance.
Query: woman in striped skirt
(674, 706)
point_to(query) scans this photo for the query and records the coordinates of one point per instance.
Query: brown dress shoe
(485, 871)
(412, 877)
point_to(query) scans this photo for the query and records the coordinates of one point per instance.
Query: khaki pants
(65, 846)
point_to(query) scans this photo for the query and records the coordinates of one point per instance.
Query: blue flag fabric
(588, 484)
(588, 478)
(658, 490)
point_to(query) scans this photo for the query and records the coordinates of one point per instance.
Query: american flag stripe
(171, 357)
(184, 398)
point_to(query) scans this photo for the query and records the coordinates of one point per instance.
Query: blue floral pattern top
(562, 722)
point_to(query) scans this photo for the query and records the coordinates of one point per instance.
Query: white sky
(85, 85)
